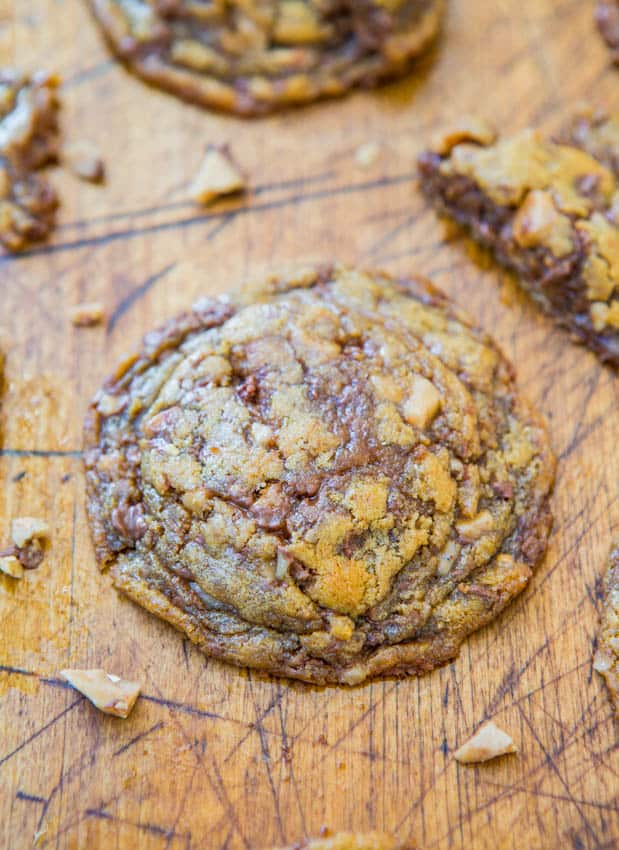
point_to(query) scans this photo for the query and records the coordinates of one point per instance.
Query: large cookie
(252, 56)
(329, 477)
(606, 659)
(548, 211)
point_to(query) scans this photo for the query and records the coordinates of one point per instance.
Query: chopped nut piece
(367, 154)
(487, 743)
(472, 529)
(109, 693)
(84, 160)
(11, 566)
(218, 175)
(25, 529)
(298, 23)
(423, 402)
(87, 315)
(539, 222)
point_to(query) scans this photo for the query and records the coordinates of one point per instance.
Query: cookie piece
(253, 56)
(351, 841)
(606, 659)
(328, 476)
(548, 211)
(28, 141)
(607, 17)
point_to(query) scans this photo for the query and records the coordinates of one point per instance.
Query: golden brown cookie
(329, 476)
(28, 141)
(548, 211)
(606, 659)
(253, 56)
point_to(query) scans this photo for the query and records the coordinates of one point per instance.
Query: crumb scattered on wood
(29, 536)
(367, 154)
(25, 529)
(107, 692)
(218, 175)
(487, 743)
(84, 160)
(87, 315)
(10, 566)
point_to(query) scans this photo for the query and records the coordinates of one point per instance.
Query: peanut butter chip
(107, 692)
(472, 529)
(487, 743)
(218, 175)
(422, 403)
(468, 129)
(11, 566)
(84, 160)
(538, 222)
(88, 314)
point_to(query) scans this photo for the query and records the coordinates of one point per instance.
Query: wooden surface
(213, 757)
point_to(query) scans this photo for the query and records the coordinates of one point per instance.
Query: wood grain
(220, 759)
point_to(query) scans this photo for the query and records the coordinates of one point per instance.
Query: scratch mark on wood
(154, 728)
(135, 295)
(39, 732)
(191, 221)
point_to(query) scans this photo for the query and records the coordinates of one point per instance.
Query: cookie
(607, 17)
(328, 476)
(28, 141)
(351, 841)
(252, 57)
(606, 660)
(548, 211)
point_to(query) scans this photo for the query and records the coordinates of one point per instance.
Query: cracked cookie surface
(606, 659)
(328, 476)
(548, 211)
(253, 56)
(28, 141)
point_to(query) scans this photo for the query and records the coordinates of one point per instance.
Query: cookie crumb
(218, 175)
(10, 566)
(84, 160)
(25, 529)
(107, 692)
(487, 743)
(86, 315)
(367, 154)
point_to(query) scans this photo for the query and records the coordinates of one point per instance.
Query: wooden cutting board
(215, 758)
